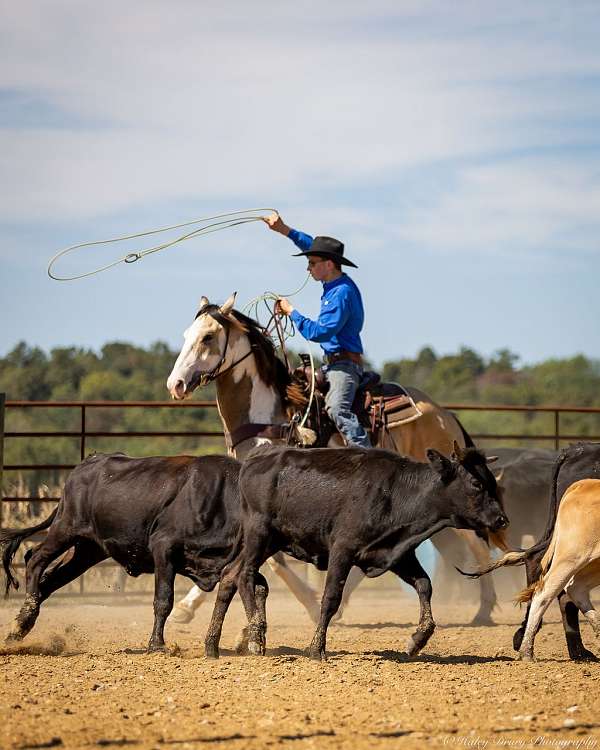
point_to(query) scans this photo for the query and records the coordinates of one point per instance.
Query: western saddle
(379, 406)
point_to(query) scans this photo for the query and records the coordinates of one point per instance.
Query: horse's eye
(208, 338)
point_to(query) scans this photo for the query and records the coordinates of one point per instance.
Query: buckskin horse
(255, 397)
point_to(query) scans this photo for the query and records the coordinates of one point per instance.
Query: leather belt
(343, 354)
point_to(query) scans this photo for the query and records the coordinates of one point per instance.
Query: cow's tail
(515, 557)
(519, 557)
(11, 540)
(554, 500)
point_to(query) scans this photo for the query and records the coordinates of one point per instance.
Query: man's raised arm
(300, 239)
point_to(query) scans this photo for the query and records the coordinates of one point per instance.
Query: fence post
(82, 441)
(2, 407)
(556, 430)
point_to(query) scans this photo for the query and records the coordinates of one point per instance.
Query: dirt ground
(82, 679)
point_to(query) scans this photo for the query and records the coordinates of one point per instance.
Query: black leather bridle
(216, 372)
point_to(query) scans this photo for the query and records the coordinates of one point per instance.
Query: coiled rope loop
(217, 223)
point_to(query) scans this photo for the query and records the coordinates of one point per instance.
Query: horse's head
(209, 344)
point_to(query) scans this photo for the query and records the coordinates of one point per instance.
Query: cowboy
(337, 328)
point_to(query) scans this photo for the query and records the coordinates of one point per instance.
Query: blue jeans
(343, 378)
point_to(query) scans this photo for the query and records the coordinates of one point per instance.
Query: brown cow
(571, 562)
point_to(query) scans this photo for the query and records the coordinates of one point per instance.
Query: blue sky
(454, 147)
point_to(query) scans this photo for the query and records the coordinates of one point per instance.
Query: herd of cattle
(217, 520)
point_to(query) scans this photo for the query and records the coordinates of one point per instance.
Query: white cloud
(519, 207)
(191, 100)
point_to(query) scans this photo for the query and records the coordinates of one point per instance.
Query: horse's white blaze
(194, 357)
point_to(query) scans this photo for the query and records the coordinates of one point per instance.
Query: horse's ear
(227, 306)
(203, 302)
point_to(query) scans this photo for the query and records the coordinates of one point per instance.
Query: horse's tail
(466, 437)
(11, 540)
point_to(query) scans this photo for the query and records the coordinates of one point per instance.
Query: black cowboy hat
(327, 247)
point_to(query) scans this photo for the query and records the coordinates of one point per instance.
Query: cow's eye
(476, 484)
(208, 338)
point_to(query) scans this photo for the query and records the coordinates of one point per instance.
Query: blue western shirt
(342, 315)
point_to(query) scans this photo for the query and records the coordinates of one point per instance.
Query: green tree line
(122, 371)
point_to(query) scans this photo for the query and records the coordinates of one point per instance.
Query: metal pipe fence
(554, 437)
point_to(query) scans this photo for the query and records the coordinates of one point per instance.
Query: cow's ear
(457, 452)
(203, 302)
(443, 465)
(491, 459)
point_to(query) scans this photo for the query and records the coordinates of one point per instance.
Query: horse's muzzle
(178, 390)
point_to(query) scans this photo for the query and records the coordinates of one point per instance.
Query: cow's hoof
(315, 653)
(211, 651)
(584, 655)
(14, 637)
(181, 615)
(518, 639)
(411, 647)
(156, 648)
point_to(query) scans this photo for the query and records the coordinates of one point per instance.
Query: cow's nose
(501, 523)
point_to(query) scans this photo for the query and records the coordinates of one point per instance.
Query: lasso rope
(252, 309)
(219, 222)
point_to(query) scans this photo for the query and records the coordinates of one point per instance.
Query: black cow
(162, 515)
(579, 461)
(342, 507)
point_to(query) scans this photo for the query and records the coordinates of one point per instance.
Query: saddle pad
(399, 410)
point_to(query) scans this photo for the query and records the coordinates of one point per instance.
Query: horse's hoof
(256, 648)
(482, 621)
(181, 615)
(525, 656)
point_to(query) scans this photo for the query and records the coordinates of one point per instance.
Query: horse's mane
(270, 368)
